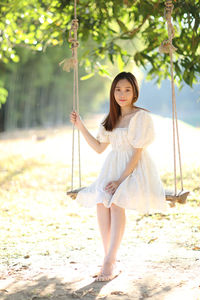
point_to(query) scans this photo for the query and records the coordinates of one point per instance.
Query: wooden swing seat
(74, 193)
(180, 197)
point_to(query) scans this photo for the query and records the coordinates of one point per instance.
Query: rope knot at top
(168, 9)
(167, 46)
(71, 63)
(74, 24)
(74, 28)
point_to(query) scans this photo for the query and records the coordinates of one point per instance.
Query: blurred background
(40, 93)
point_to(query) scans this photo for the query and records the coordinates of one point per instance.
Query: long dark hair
(115, 112)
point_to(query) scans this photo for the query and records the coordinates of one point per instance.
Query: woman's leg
(103, 217)
(118, 221)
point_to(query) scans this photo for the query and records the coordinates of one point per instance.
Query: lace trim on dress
(128, 123)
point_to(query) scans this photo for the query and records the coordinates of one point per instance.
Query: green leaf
(87, 76)
(191, 76)
(103, 72)
(122, 26)
(120, 62)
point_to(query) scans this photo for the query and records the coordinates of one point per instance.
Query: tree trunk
(2, 118)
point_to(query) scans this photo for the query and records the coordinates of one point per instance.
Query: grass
(38, 218)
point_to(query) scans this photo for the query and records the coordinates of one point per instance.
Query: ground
(50, 247)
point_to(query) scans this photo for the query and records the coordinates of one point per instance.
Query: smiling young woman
(125, 180)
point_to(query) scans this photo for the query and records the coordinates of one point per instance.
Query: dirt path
(159, 259)
(154, 273)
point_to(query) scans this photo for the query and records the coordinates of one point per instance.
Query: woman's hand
(112, 186)
(75, 119)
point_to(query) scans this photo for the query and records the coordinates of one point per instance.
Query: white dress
(142, 190)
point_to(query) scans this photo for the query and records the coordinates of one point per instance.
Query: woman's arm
(92, 142)
(132, 164)
(113, 185)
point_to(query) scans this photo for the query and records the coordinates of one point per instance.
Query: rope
(72, 63)
(167, 47)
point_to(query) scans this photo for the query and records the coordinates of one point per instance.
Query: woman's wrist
(119, 181)
(122, 178)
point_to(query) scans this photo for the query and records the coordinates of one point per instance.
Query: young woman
(128, 178)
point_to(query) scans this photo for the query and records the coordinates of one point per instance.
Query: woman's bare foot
(106, 268)
(97, 273)
(108, 271)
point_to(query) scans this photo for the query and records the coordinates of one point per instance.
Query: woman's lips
(122, 100)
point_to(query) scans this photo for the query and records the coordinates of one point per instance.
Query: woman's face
(123, 93)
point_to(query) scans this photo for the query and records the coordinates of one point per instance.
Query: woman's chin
(124, 104)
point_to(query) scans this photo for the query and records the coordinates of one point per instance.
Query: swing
(166, 47)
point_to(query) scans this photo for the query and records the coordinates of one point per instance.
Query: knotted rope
(72, 63)
(167, 47)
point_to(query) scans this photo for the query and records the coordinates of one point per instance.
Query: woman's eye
(127, 90)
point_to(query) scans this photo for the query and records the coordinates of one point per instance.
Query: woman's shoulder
(140, 112)
(141, 116)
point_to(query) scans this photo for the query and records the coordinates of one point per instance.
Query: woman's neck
(127, 110)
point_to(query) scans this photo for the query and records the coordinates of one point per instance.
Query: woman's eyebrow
(127, 87)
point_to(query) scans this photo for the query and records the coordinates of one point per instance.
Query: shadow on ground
(123, 287)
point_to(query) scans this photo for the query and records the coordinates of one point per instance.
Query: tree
(41, 94)
(120, 31)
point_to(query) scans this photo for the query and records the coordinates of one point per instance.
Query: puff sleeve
(141, 130)
(103, 135)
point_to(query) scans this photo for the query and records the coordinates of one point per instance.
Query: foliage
(132, 31)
